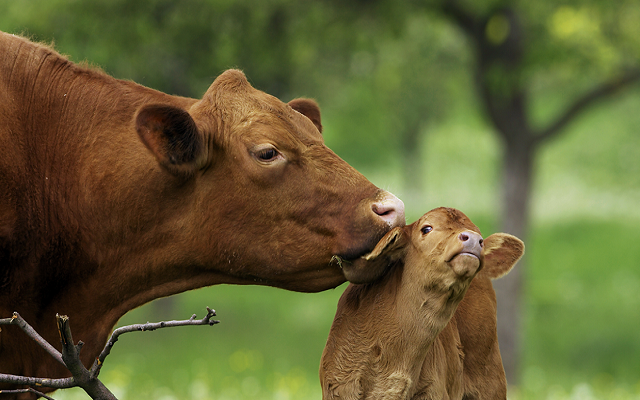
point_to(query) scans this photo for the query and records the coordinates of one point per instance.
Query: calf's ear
(372, 266)
(501, 252)
(310, 109)
(172, 136)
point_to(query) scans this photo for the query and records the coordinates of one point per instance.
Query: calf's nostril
(464, 237)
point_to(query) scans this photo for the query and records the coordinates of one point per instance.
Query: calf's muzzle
(472, 243)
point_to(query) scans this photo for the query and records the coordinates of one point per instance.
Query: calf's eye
(426, 229)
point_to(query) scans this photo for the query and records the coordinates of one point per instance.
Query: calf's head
(267, 202)
(443, 249)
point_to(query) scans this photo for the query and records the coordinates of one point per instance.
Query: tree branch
(599, 93)
(27, 390)
(20, 322)
(62, 383)
(95, 369)
(466, 21)
(70, 356)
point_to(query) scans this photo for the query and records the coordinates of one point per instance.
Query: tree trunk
(499, 81)
(516, 188)
(412, 165)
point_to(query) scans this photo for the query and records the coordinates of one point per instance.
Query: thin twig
(20, 322)
(27, 390)
(62, 383)
(95, 369)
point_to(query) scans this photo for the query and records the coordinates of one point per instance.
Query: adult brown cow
(113, 194)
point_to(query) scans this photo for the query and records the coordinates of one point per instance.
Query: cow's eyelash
(266, 153)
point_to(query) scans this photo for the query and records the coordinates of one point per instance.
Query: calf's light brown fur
(397, 338)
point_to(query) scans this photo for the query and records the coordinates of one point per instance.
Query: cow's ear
(310, 109)
(501, 252)
(372, 266)
(172, 136)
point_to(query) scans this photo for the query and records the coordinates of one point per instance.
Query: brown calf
(395, 338)
(113, 194)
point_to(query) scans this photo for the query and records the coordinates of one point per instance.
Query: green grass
(582, 311)
(268, 345)
(581, 337)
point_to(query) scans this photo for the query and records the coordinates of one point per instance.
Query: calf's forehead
(445, 217)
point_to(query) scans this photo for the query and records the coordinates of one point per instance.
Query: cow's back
(65, 134)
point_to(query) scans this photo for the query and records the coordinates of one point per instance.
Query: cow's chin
(310, 282)
(354, 251)
(321, 278)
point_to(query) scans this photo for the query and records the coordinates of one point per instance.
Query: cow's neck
(95, 300)
(76, 112)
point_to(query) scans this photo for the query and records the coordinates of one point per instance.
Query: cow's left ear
(310, 109)
(501, 252)
(172, 136)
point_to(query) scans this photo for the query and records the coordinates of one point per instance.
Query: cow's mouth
(352, 254)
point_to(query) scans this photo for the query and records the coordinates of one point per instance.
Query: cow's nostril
(390, 209)
(464, 237)
(384, 210)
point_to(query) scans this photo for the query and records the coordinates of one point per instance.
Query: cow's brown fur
(113, 194)
(396, 338)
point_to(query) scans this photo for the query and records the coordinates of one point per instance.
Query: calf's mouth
(465, 264)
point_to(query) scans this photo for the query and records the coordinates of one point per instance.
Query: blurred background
(522, 114)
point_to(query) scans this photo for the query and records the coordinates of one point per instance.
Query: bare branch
(95, 369)
(27, 390)
(467, 22)
(599, 93)
(62, 383)
(70, 356)
(19, 321)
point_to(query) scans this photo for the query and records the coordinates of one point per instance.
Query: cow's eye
(426, 229)
(266, 154)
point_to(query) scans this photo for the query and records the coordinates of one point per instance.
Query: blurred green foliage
(394, 83)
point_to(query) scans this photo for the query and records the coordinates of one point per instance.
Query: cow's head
(442, 249)
(262, 199)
